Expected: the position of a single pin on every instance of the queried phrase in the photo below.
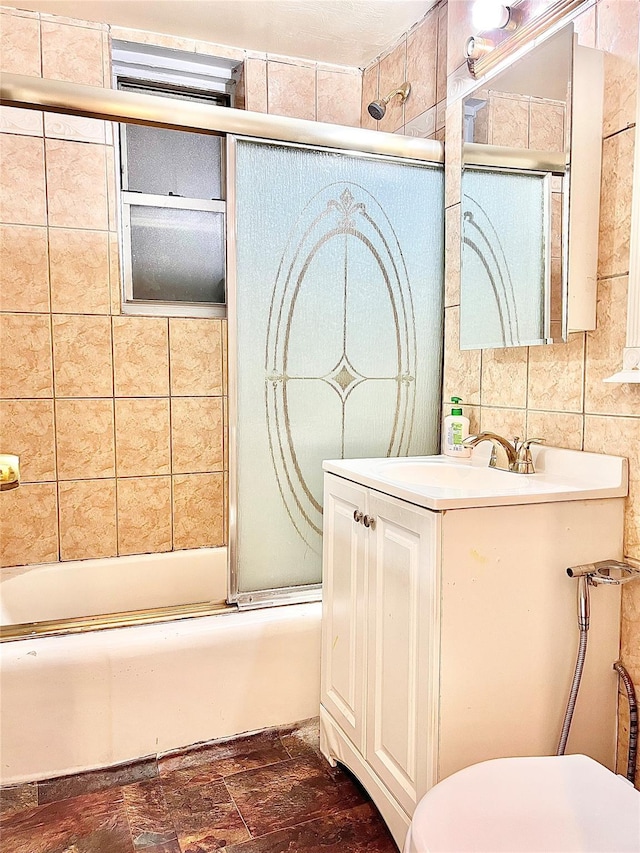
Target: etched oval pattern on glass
(342, 254)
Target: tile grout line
(315, 84)
(584, 377)
(166, 805)
(252, 769)
(630, 126)
(115, 430)
(108, 196)
(54, 405)
(167, 809)
(40, 57)
(302, 823)
(170, 402)
(613, 275)
(266, 83)
(241, 816)
(526, 399)
(128, 821)
(284, 746)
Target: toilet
(538, 805)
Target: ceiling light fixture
(493, 15)
(477, 47)
(488, 16)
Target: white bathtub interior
(79, 588)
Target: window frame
(158, 69)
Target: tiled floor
(269, 792)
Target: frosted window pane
(339, 336)
(177, 255)
(173, 162)
(503, 282)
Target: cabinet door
(343, 597)
(403, 630)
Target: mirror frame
(581, 208)
(559, 165)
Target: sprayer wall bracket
(605, 571)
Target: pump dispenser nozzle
(456, 410)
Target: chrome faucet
(507, 456)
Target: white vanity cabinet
(379, 605)
(449, 637)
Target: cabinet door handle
(369, 521)
(358, 516)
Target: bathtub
(79, 701)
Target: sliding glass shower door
(335, 339)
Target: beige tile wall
(119, 421)
(557, 391)
(419, 56)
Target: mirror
(517, 168)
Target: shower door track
(124, 619)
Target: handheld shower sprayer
(593, 574)
(378, 108)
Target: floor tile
(148, 815)
(14, 798)
(64, 787)
(357, 830)
(167, 847)
(204, 815)
(95, 823)
(229, 756)
(199, 774)
(270, 792)
(286, 794)
(303, 738)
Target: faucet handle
(524, 460)
(529, 441)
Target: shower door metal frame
(56, 96)
(303, 592)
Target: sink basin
(439, 474)
(440, 482)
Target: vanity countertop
(442, 482)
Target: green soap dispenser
(456, 429)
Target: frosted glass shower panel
(505, 273)
(338, 324)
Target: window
(172, 207)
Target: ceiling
(346, 32)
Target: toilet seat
(528, 805)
